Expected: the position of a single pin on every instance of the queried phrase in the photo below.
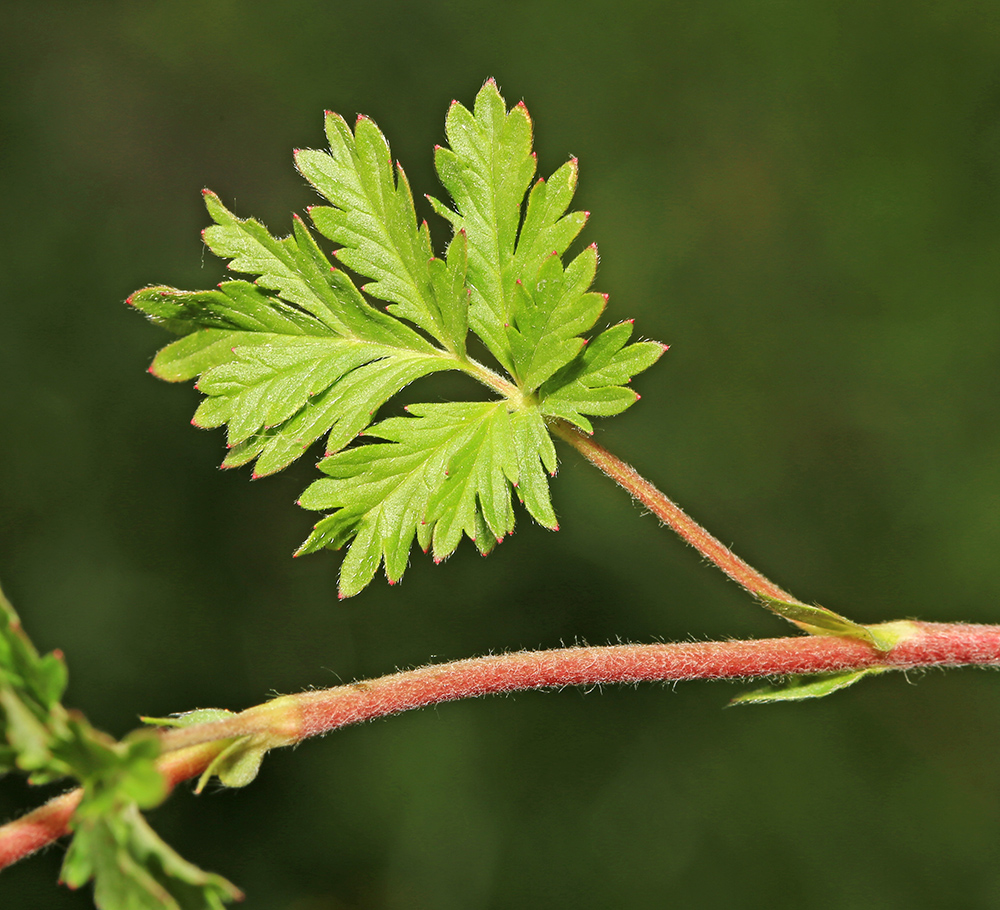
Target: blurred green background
(800, 197)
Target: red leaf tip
(664, 347)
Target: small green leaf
(800, 688)
(133, 869)
(239, 763)
(820, 621)
(32, 720)
(190, 718)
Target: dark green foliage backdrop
(801, 198)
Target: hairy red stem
(37, 829)
(31, 832)
(292, 718)
(664, 508)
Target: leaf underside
(302, 353)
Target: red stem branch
(664, 508)
(39, 828)
(292, 718)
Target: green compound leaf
(300, 353)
